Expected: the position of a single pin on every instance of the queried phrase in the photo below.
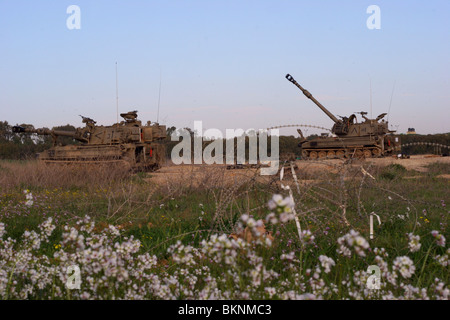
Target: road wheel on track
(340, 154)
(367, 153)
(305, 154)
(313, 155)
(331, 154)
(376, 152)
(322, 154)
(359, 153)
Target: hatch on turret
(147, 134)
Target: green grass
(159, 220)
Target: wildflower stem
(423, 266)
(301, 259)
(53, 286)
(9, 281)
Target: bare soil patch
(307, 171)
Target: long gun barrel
(309, 96)
(48, 132)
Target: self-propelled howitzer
(370, 138)
(130, 143)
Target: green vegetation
(171, 226)
(393, 171)
(443, 139)
(22, 146)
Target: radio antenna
(159, 95)
(117, 95)
(370, 79)
(390, 102)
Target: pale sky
(224, 62)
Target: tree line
(443, 139)
(20, 146)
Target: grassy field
(139, 237)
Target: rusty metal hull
(139, 157)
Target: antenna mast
(370, 97)
(117, 95)
(159, 96)
(390, 102)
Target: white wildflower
(352, 240)
(47, 228)
(307, 237)
(440, 239)
(326, 263)
(270, 291)
(405, 266)
(414, 244)
(276, 201)
(444, 259)
(29, 197)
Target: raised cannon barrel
(47, 132)
(310, 96)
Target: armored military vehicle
(128, 143)
(349, 139)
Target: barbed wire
(422, 144)
(298, 125)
